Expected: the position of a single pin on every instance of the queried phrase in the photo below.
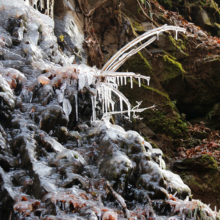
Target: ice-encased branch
(107, 80)
(134, 110)
(156, 31)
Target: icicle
(113, 106)
(51, 8)
(60, 96)
(67, 108)
(93, 99)
(121, 77)
(81, 80)
(158, 35)
(131, 82)
(63, 87)
(106, 107)
(176, 34)
(99, 92)
(148, 81)
(121, 105)
(76, 105)
(90, 77)
(118, 81)
(129, 111)
(48, 7)
(115, 80)
(41, 5)
(125, 80)
(139, 81)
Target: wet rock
(145, 131)
(16, 64)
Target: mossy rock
(205, 85)
(166, 118)
(204, 185)
(160, 122)
(171, 69)
(201, 163)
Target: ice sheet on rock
(6, 36)
(42, 169)
(49, 21)
(47, 185)
(10, 102)
(41, 65)
(82, 81)
(34, 51)
(7, 93)
(113, 132)
(60, 96)
(148, 146)
(175, 182)
(70, 155)
(16, 74)
(32, 32)
(75, 134)
(56, 146)
(7, 184)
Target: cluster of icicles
(46, 5)
(106, 81)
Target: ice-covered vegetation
(105, 88)
(105, 82)
(53, 167)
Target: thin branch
(137, 40)
(119, 63)
(146, 14)
(120, 200)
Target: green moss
(182, 44)
(169, 55)
(172, 68)
(160, 123)
(138, 27)
(210, 161)
(138, 64)
(154, 90)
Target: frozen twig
(139, 39)
(120, 200)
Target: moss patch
(138, 64)
(172, 69)
(159, 122)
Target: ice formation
(42, 5)
(112, 80)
